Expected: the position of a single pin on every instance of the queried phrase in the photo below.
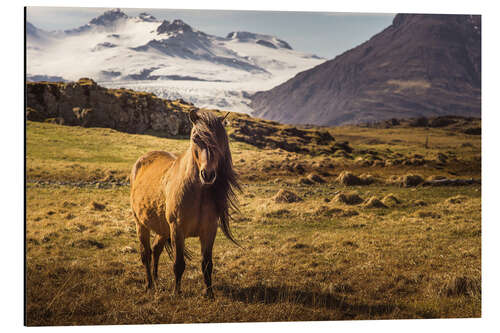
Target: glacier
(168, 58)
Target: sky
(325, 34)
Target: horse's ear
(224, 117)
(193, 116)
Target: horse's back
(153, 161)
(147, 183)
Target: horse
(185, 196)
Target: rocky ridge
(84, 103)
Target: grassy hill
(330, 256)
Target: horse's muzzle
(207, 178)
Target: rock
(367, 179)
(97, 206)
(419, 203)
(419, 122)
(378, 163)
(342, 146)
(391, 200)
(435, 177)
(349, 179)
(315, 178)
(128, 249)
(87, 243)
(362, 162)
(350, 213)
(442, 157)
(84, 103)
(305, 181)
(442, 122)
(473, 131)
(374, 202)
(348, 199)
(411, 180)
(285, 196)
(424, 214)
(456, 199)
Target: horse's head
(208, 144)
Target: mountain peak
(146, 17)
(31, 29)
(241, 35)
(109, 17)
(176, 26)
(421, 65)
(264, 40)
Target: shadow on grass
(268, 295)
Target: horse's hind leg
(177, 239)
(158, 245)
(143, 234)
(207, 243)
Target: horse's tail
(188, 254)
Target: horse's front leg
(158, 244)
(207, 238)
(177, 238)
(143, 234)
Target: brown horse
(185, 196)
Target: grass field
(317, 259)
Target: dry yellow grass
(317, 259)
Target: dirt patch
(278, 213)
(97, 206)
(87, 243)
(335, 212)
(424, 214)
(285, 196)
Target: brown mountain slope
(421, 65)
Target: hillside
(421, 65)
(87, 104)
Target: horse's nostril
(207, 176)
(211, 176)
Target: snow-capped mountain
(170, 58)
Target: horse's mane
(210, 131)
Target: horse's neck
(187, 169)
(183, 178)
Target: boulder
(285, 196)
